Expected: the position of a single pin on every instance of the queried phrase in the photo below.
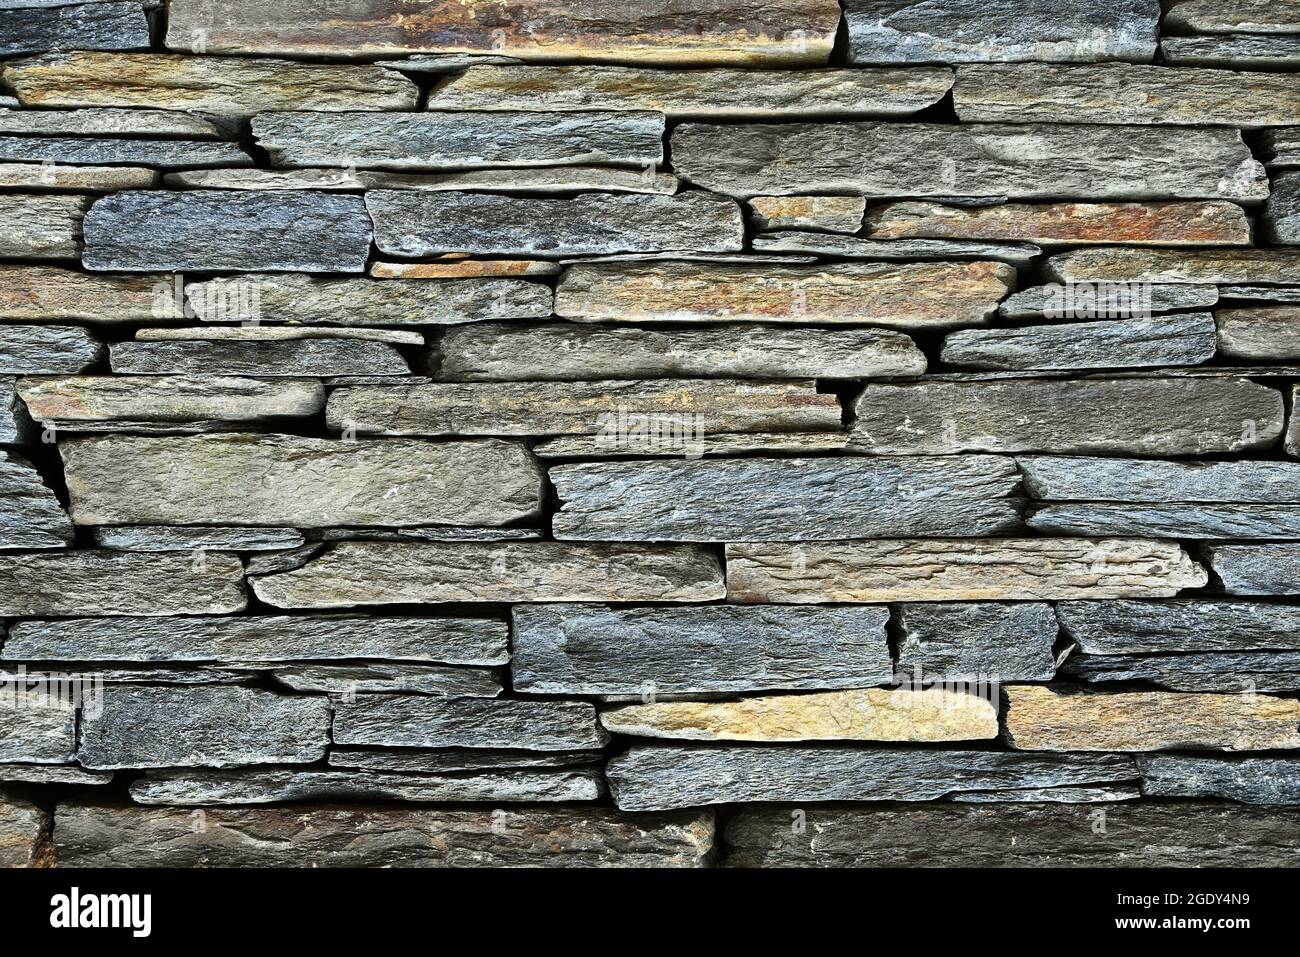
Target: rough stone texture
(1249, 780)
(30, 515)
(454, 140)
(15, 424)
(106, 151)
(458, 268)
(410, 721)
(1241, 51)
(119, 583)
(49, 294)
(417, 679)
(836, 214)
(1281, 148)
(86, 26)
(446, 760)
(1123, 93)
(23, 830)
(41, 227)
(657, 444)
(1218, 672)
(1099, 301)
(1069, 478)
(223, 85)
(911, 295)
(1280, 221)
(290, 480)
(899, 250)
(656, 778)
(874, 714)
(177, 538)
(259, 333)
(1223, 266)
(956, 570)
(1229, 16)
(1169, 520)
(316, 357)
(26, 349)
(986, 641)
(607, 407)
(557, 179)
(156, 727)
(1264, 569)
(81, 179)
(962, 31)
(1140, 627)
(578, 649)
(1040, 719)
(1162, 417)
(1017, 161)
(109, 121)
(413, 223)
(36, 727)
(103, 398)
(314, 835)
(695, 94)
(1062, 795)
(783, 500)
(50, 774)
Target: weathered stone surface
(1138, 834)
(222, 85)
(903, 31)
(909, 295)
(258, 333)
(836, 214)
(1142, 627)
(721, 32)
(50, 294)
(15, 424)
(436, 63)
(41, 227)
(1123, 93)
(1063, 795)
(1016, 161)
(384, 573)
(378, 836)
(654, 778)
(302, 357)
(172, 538)
(210, 726)
(653, 443)
(695, 94)
(1248, 780)
(1291, 440)
(84, 179)
(1223, 266)
(1160, 224)
(84, 26)
(422, 722)
(607, 407)
(24, 828)
(758, 500)
(1102, 301)
(956, 570)
(507, 352)
(1180, 340)
(270, 785)
(110, 122)
(261, 638)
(30, 515)
(430, 533)
(387, 678)
(1219, 672)
(412, 223)
(1263, 569)
(457, 141)
(1229, 16)
(577, 649)
(1040, 719)
(26, 349)
(36, 727)
(873, 714)
(1280, 220)
(976, 641)
(1066, 478)
(107, 151)
(1233, 51)
(119, 583)
(365, 302)
(219, 230)
(1161, 416)
(67, 399)
(445, 760)
(1181, 521)
(557, 179)
(898, 250)
(289, 480)
(51, 774)
(460, 268)
(1281, 148)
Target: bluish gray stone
(1218, 672)
(290, 357)
(106, 151)
(1248, 780)
(1267, 568)
(973, 641)
(1147, 627)
(1080, 478)
(1182, 521)
(31, 349)
(85, 26)
(30, 515)
(1281, 216)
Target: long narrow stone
(1071, 478)
(377, 835)
(24, 829)
(447, 760)
(1025, 161)
(1181, 521)
(188, 538)
(460, 140)
(1248, 780)
(1281, 216)
(962, 31)
(607, 407)
(654, 778)
(1040, 719)
(51, 294)
(1032, 569)
(107, 151)
(315, 357)
(452, 267)
(1263, 569)
(103, 398)
(1236, 51)
(836, 214)
(1222, 266)
(553, 179)
(412, 223)
(119, 583)
(36, 727)
(1123, 93)
(509, 352)
(391, 678)
(975, 641)
(757, 499)
(84, 26)
(29, 349)
(1217, 672)
(1105, 300)
(1142, 627)
(907, 295)
(303, 482)
(411, 721)
(385, 573)
(1087, 794)
(1162, 417)
(721, 32)
(1157, 224)
(579, 649)
(1229, 16)
(262, 638)
(80, 179)
(223, 85)
(41, 227)
(110, 122)
(659, 443)
(30, 515)
(51, 774)
(695, 94)
(208, 726)
(897, 250)
(259, 333)
(220, 230)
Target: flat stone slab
(1241, 51)
(1179, 521)
(51, 774)
(1105, 300)
(976, 641)
(119, 583)
(894, 250)
(1281, 148)
(15, 423)
(1149, 627)
(656, 444)
(30, 514)
(906, 295)
(1162, 417)
(1024, 569)
(445, 760)
(1219, 672)
(1271, 568)
(1078, 478)
(28, 349)
(454, 268)
(1273, 781)
(1222, 266)
(314, 357)
(386, 678)
(84, 26)
(414, 721)
(836, 214)
(557, 179)
(81, 179)
(221, 230)
(762, 499)
(52, 294)
(110, 151)
(596, 649)
(661, 777)
(454, 140)
(41, 227)
(1017, 161)
(1064, 795)
(259, 333)
(1229, 16)
(384, 573)
(36, 727)
(23, 830)
(1280, 221)
(109, 121)
(244, 479)
(168, 398)
(185, 538)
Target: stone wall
(642, 433)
